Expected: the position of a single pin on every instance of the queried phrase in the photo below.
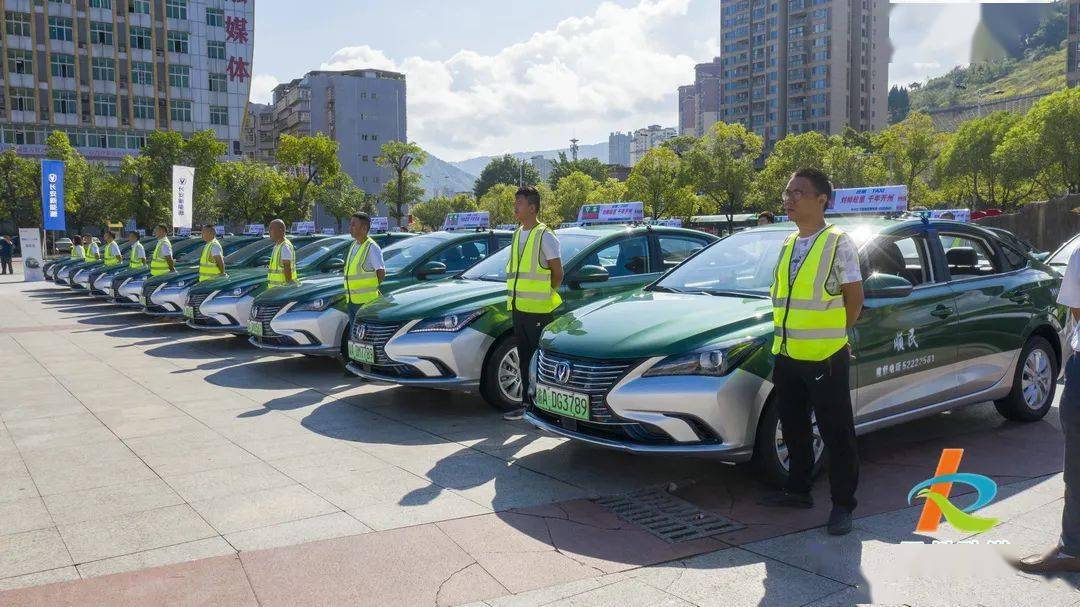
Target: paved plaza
(144, 463)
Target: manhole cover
(669, 518)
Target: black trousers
(527, 330)
(5, 266)
(821, 387)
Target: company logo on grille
(361, 330)
(562, 372)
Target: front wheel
(1034, 383)
(771, 453)
(500, 383)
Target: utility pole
(574, 148)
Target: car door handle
(941, 312)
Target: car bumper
(451, 361)
(103, 286)
(167, 302)
(129, 293)
(62, 276)
(316, 333)
(81, 280)
(223, 314)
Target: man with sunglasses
(817, 297)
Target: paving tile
(32, 552)
(323, 527)
(244, 511)
(113, 500)
(208, 457)
(137, 532)
(63, 574)
(21, 515)
(153, 427)
(318, 466)
(356, 490)
(426, 505)
(179, 553)
(220, 482)
(64, 430)
(628, 593)
(52, 476)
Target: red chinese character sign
(238, 69)
(236, 29)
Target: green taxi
(458, 334)
(954, 315)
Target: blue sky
(490, 76)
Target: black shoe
(514, 415)
(787, 499)
(839, 521)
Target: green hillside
(982, 82)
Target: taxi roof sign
(254, 229)
(877, 200)
(380, 224)
(671, 222)
(615, 212)
(507, 226)
(464, 221)
(962, 215)
(303, 227)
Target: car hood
(236, 278)
(308, 289)
(182, 272)
(430, 299)
(641, 324)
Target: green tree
(852, 166)
(506, 169)
(19, 187)
(610, 190)
(102, 201)
(499, 203)
(340, 198)
(1048, 139)
(253, 192)
(722, 167)
(561, 167)
(805, 150)
(58, 147)
(201, 152)
(432, 213)
(909, 149)
(654, 181)
(969, 167)
(403, 190)
(681, 144)
(307, 161)
(571, 192)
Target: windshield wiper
(733, 293)
(664, 289)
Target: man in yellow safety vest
(113, 257)
(211, 262)
(817, 297)
(533, 276)
(137, 255)
(364, 270)
(162, 260)
(77, 250)
(281, 260)
(93, 252)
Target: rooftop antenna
(574, 148)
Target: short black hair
(209, 226)
(530, 194)
(133, 233)
(162, 226)
(110, 233)
(819, 179)
(767, 215)
(364, 217)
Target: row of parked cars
(662, 342)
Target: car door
(995, 305)
(904, 347)
(629, 265)
(462, 254)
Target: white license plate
(562, 402)
(255, 328)
(189, 312)
(362, 353)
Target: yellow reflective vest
(361, 286)
(276, 276)
(158, 265)
(78, 252)
(137, 260)
(208, 268)
(528, 284)
(90, 254)
(112, 255)
(810, 323)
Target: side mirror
(886, 286)
(333, 265)
(1041, 256)
(431, 268)
(588, 274)
(263, 261)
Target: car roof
(602, 230)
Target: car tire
(1034, 383)
(767, 449)
(494, 391)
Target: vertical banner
(52, 194)
(30, 242)
(183, 190)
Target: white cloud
(929, 39)
(612, 70)
(262, 88)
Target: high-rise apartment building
(792, 66)
(699, 103)
(619, 148)
(543, 166)
(109, 72)
(359, 109)
(647, 138)
(1072, 68)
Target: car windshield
(190, 247)
(741, 264)
(400, 254)
(247, 251)
(494, 268)
(314, 252)
(1060, 258)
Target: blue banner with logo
(52, 194)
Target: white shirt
(165, 250)
(114, 249)
(549, 245)
(1069, 295)
(374, 259)
(138, 251)
(286, 252)
(845, 269)
(95, 249)
(215, 250)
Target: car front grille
(195, 300)
(264, 314)
(147, 289)
(588, 376)
(377, 334)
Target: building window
(22, 100)
(16, 24)
(101, 32)
(215, 50)
(143, 107)
(106, 4)
(139, 6)
(218, 83)
(219, 115)
(60, 28)
(140, 37)
(180, 111)
(61, 65)
(180, 76)
(104, 105)
(104, 69)
(142, 72)
(178, 42)
(215, 17)
(64, 102)
(176, 9)
(20, 61)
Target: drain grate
(669, 518)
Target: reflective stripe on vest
(361, 286)
(137, 261)
(276, 276)
(528, 284)
(111, 258)
(810, 323)
(78, 252)
(158, 265)
(208, 268)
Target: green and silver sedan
(953, 315)
(458, 334)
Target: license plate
(142, 300)
(562, 402)
(363, 353)
(255, 328)
(189, 312)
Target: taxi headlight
(449, 323)
(318, 305)
(713, 361)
